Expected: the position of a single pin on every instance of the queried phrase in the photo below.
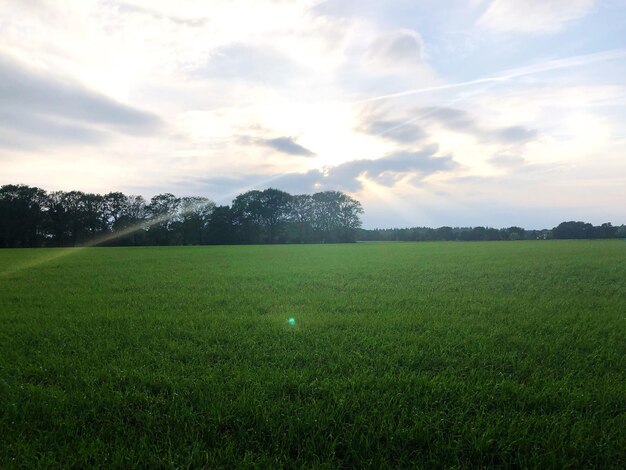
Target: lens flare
(62, 252)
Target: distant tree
(444, 233)
(573, 229)
(246, 216)
(565, 230)
(92, 217)
(221, 227)
(30, 217)
(512, 233)
(114, 205)
(275, 206)
(474, 234)
(195, 216)
(300, 216)
(59, 218)
(76, 217)
(336, 217)
(350, 211)
(605, 230)
(492, 234)
(72, 202)
(162, 211)
(261, 216)
(131, 222)
(22, 216)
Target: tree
(130, 225)
(335, 216)
(162, 210)
(261, 216)
(605, 230)
(275, 206)
(350, 211)
(221, 229)
(246, 216)
(113, 207)
(22, 216)
(59, 218)
(93, 217)
(573, 229)
(512, 233)
(195, 215)
(76, 217)
(300, 216)
(31, 217)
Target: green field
(403, 355)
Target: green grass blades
(401, 354)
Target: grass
(403, 355)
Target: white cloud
(295, 81)
(397, 49)
(533, 16)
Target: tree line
(33, 217)
(565, 230)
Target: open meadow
(402, 354)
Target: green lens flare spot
(292, 321)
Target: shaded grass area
(403, 354)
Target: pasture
(401, 354)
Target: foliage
(579, 230)
(30, 217)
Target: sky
(431, 113)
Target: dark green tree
(221, 227)
(22, 216)
(195, 216)
(163, 212)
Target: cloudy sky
(477, 112)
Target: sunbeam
(58, 253)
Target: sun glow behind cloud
(426, 109)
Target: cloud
(396, 130)
(287, 145)
(413, 126)
(452, 118)
(249, 63)
(302, 72)
(25, 130)
(402, 127)
(377, 121)
(282, 144)
(533, 16)
(515, 134)
(462, 121)
(386, 171)
(506, 161)
(50, 108)
(399, 48)
(156, 14)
